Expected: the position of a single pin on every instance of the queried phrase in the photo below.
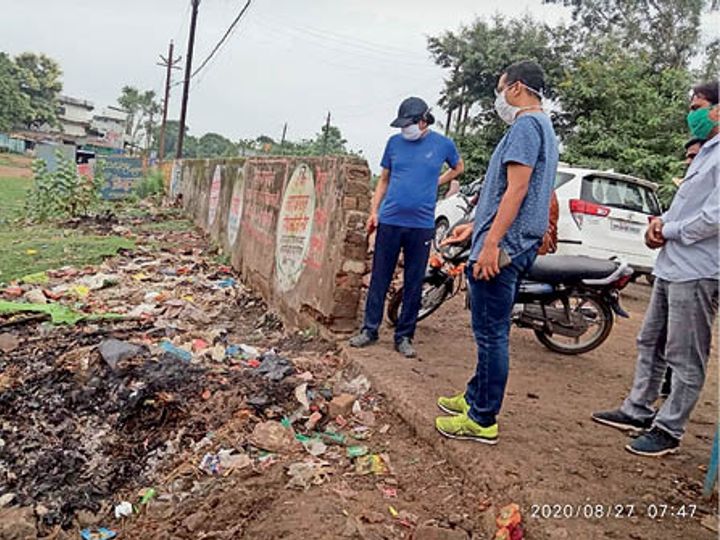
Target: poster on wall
(121, 175)
(236, 209)
(175, 177)
(214, 195)
(295, 225)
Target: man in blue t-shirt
(403, 212)
(511, 219)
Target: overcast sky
(288, 60)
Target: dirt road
(550, 452)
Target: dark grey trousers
(676, 332)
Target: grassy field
(28, 249)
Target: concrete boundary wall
(294, 227)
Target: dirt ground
(15, 166)
(550, 452)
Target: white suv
(605, 214)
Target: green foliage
(14, 103)
(152, 184)
(626, 115)
(39, 79)
(143, 111)
(62, 193)
(668, 31)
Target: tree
(626, 114)
(143, 111)
(668, 31)
(39, 79)
(14, 104)
(215, 145)
(475, 55)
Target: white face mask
(507, 112)
(411, 132)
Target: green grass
(28, 249)
(167, 226)
(12, 198)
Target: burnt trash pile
(111, 375)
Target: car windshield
(620, 193)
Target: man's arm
(704, 225)
(378, 196)
(452, 173)
(518, 181)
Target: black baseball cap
(411, 111)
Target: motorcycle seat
(569, 268)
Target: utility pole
(186, 82)
(169, 64)
(282, 139)
(327, 132)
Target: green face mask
(700, 123)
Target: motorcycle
(569, 302)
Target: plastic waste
(226, 283)
(301, 396)
(356, 451)
(101, 533)
(305, 474)
(114, 351)
(177, 352)
(372, 464)
(59, 314)
(98, 281)
(124, 509)
(275, 367)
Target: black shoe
(622, 421)
(654, 443)
(404, 347)
(363, 339)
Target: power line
(222, 39)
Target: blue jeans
(491, 304)
(415, 245)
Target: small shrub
(152, 184)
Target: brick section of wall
(294, 227)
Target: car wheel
(442, 226)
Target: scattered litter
(384, 429)
(97, 534)
(199, 345)
(124, 509)
(341, 405)
(367, 418)
(311, 423)
(393, 512)
(177, 352)
(59, 314)
(224, 462)
(114, 351)
(146, 495)
(305, 474)
(388, 492)
(35, 296)
(315, 447)
(272, 436)
(7, 499)
(357, 451)
(275, 367)
(226, 283)
(333, 437)
(372, 464)
(98, 281)
(359, 386)
(143, 310)
(301, 396)
(509, 523)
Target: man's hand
(653, 235)
(487, 266)
(459, 235)
(372, 223)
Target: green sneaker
(453, 405)
(462, 427)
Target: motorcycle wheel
(599, 316)
(433, 296)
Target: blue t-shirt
(530, 141)
(414, 171)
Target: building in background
(75, 116)
(109, 127)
